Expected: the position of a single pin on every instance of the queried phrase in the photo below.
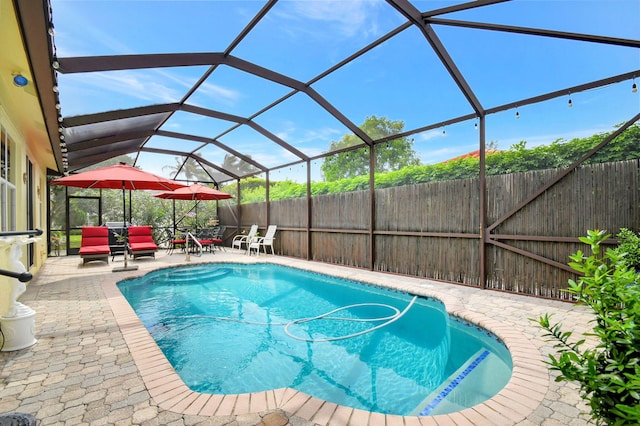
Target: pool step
(196, 276)
(461, 389)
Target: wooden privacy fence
(433, 230)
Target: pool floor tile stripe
(453, 384)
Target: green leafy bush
(609, 373)
(517, 159)
(629, 244)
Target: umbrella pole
(124, 224)
(126, 266)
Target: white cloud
(93, 36)
(270, 159)
(220, 94)
(346, 18)
(431, 134)
(310, 141)
(132, 84)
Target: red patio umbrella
(119, 176)
(196, 192)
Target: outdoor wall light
(20, 80)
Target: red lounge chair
(95, 244)
(141, 242)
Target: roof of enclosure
(242, 88)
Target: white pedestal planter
(19, 330)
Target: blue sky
(401, 79)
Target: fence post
(482, 206)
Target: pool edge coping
(521, 396)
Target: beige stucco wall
(19, 155)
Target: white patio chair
(239, 240)
(263, 242)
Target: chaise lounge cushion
(141, 241)
(95, 243)
(208, 242)
(143, 246)
(93, 250)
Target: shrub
(609, 373)
(629, 244)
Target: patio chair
(141, 242)
(218, 237)
(264, 242)
(207, 239)
(240, 240)
(95, 244)
(173, 242)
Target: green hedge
(517, 159)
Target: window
(7, 185)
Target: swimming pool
(230, 328)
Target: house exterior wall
(18, 176)
(21, 119)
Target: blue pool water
(233, 328)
